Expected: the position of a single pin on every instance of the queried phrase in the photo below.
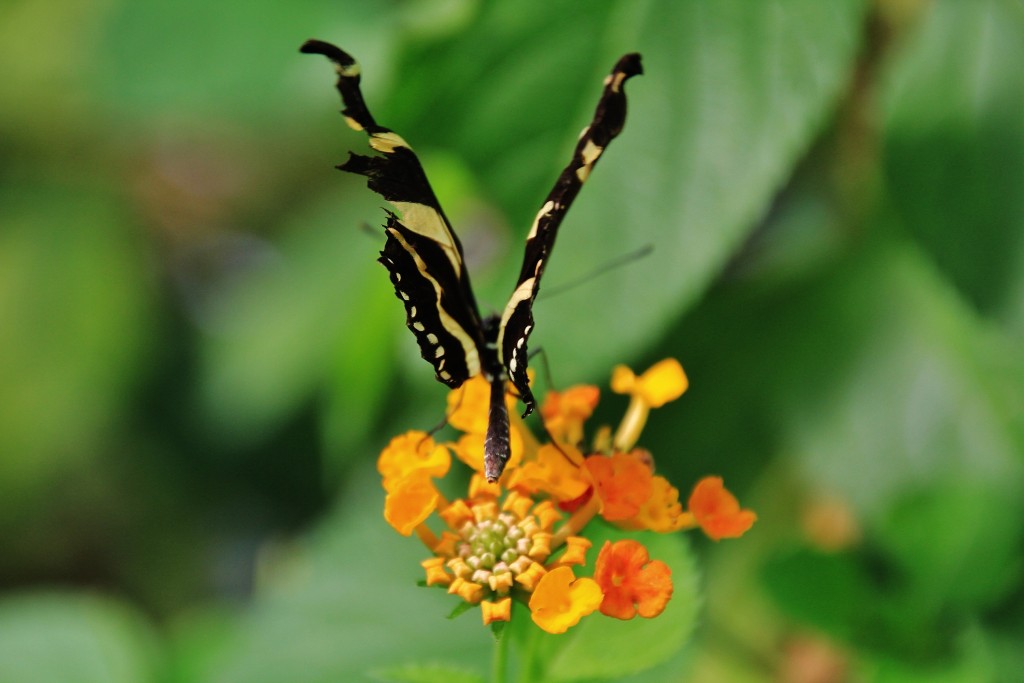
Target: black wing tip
(329, 50)
(630, 65)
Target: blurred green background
(200, 359)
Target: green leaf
(241, 67)
(913, 418)
(800, 579)
(316, 312)
(74, 638)
(340, 604)
(951, 388)
(73, 293)
(971, 565)
(954, 143)
(427, 673)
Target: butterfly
(424, 256)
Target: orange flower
(409, 502)
(553, 470)
(717, 511)
(662, 512)
(560, 600)
(632, 582)
(511, 540)
(565, 412)
(621, 482)
(411, 452)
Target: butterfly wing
(422, 253)
(517, 318)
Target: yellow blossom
(560, 600)
(500, 610)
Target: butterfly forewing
(517, 318)
(422, 253)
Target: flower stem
(579, 519)
(499, 665)
(632, 424)
(426, 536)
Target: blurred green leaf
(954, 543)
(75, 638)
(955, 145)
(952, 388)
(280, 329)
(73, 292)
(240, 64)
(339, 606)
(801, 579)
(426, 673)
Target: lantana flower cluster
(522, 538)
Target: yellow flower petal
(436, 575)
(467, 590)
(470, 450)
(412, 452)
(469, 405)
(409, 503)
(552, 471)
(496, 611)
(529, 578)
(576, 548)
(560, 600)
(623, 380)
(663, 382)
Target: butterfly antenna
(444, 421)
(606, 267)
(546, 372)
(542, 355)
(370, 230)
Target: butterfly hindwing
(517, 318)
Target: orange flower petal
(436, 575)
(413, 451)
(717, 511)
(410, 502)
(468, 405)
(662, 512)
(622, 483)
(576, 548)
(552, 471)
(560, 600)
(496, 611)
(632, 583)
(565, 412)
(531, 576)
(470, 450)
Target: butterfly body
(423, 255)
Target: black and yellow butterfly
(424, 255)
